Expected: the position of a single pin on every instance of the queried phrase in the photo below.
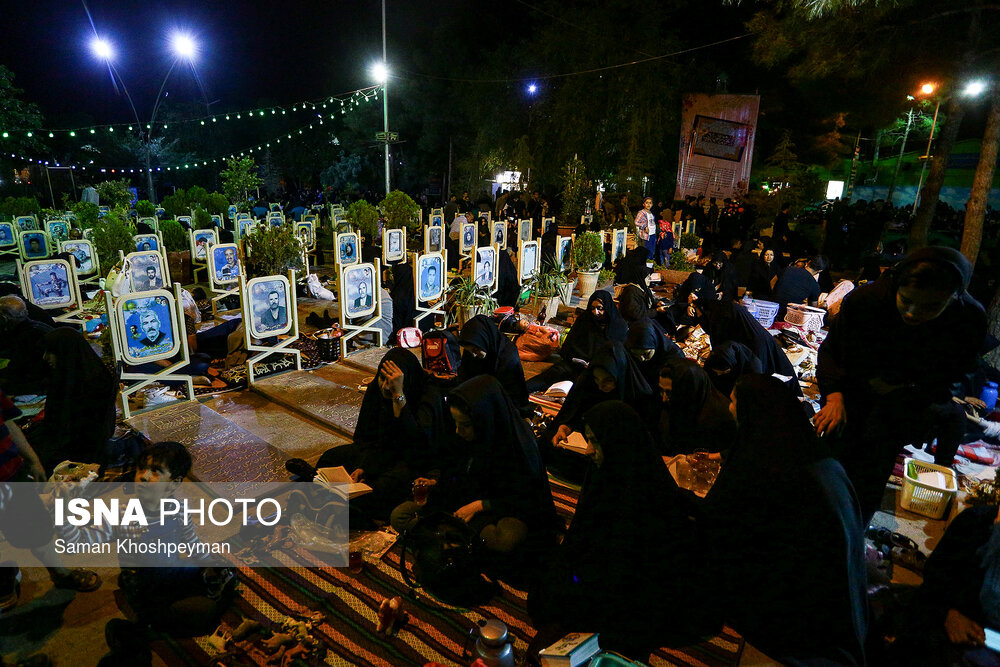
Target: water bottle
(493, 644)
(989, 395)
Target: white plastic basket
(762, 311)
(927, 499)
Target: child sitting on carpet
(180, 599)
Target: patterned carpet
(349, 604)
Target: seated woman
(502, 491)
(942, 621)
(80, 404)
(694, 414)
(632, 270)
(764, 275)
(633, 303)
(486, 351)
(723, 277)
(784, 536)
(649, 345)
(397, 440)
(629, 534)
(728, 362)
(726, 321)
(612, 375)
(600, 323)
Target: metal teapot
(493, 644)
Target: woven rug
(349, 603)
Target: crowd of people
(780, 536)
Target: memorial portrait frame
(428, 248)
(388, 255)
(524, 269)
(23, 240)
(73, 307)
(338, 248)
(368, 326)
(524, 231)
(282, 347)
(493, 251)
(502, 226)
(92, 276)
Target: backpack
(445, 562)
(440, 352)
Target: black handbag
(446, 561)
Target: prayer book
(560, 388)
(332, 478)
(575, 442)
(572, 650)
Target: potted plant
(680, 266)
(272, 251)
(548, 288)
(469, 300)
(588, 257)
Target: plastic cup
(420, 492)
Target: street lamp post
(385, 102)
(927, 89)
(184, 49)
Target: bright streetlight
(927, 88)
(183, 46)
(380, 72)
(102, 48)
(974, 88)
(532, 89)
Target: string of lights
(246, 114)
(365, 95)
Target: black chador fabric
(633, 303)
(588, 333)
(393, 451)
(504, 468)
(723, 278)
(629, 536)
(784, 534)
(697, 415)
(630, 386)
(761, 275)
(384, 440)
(869, 340)
(649, 335)
(80, 404)
(403, 301)
(508, 285)
(728, 363)
(632, 270)
(696, 283)
(501, 361)
(728, 321)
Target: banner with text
(716, 146)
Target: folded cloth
(979, 452)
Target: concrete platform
(331, 404)
(220, 449)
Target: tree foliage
(363, 216)
(239, 180)
(400, 210)
(272, 251)
(115, 194)
(113, 234)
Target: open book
(332, 478)
(575, 442)
(560, 388)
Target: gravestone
(368, 359)
(333, 405)
(220, 450)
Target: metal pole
(927, 158)
(385, 103)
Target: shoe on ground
(301, 469)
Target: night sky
(250, 52)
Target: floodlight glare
(380, 72)
(183, 46)
(927, 88)
(102, 48)
(974, 88)
(532, 89)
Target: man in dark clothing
(22, 345)
(451, 210)
(886, 368)
(799, 285)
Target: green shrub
(145, 208)
(364, 217)
(689, 240)
(202, 219)
(216, 203)
(174, 236)
(87, 214)
(238, 180)
(15, 206)
(113, 234)
(176, 204)
(400, 211)
(679, 261)
(114, 194)
(272, 251)
(588, 251)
